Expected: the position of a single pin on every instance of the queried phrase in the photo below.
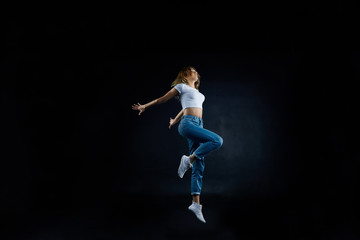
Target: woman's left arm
(176, 119)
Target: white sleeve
(179, 88)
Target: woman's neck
(191, 84)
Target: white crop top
(189, 97)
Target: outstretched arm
(170, 94)
(176, 119)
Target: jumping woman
(201, 141)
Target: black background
(281, 89)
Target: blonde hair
(181, 77)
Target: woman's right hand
(138, 107)
(172, 122)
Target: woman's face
(193, 75)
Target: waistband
(190, 117)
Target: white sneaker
(196, 208)
(184, 165)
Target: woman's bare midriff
(197, 112)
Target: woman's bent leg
(210, 141)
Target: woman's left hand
(172, 122)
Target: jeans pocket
(194, 122)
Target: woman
(201, 141)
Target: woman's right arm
(170, 94)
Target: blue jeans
(201, 142)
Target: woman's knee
(218, 141)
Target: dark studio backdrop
(78, 163)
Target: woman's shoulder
(179, 85)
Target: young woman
(201, 141)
